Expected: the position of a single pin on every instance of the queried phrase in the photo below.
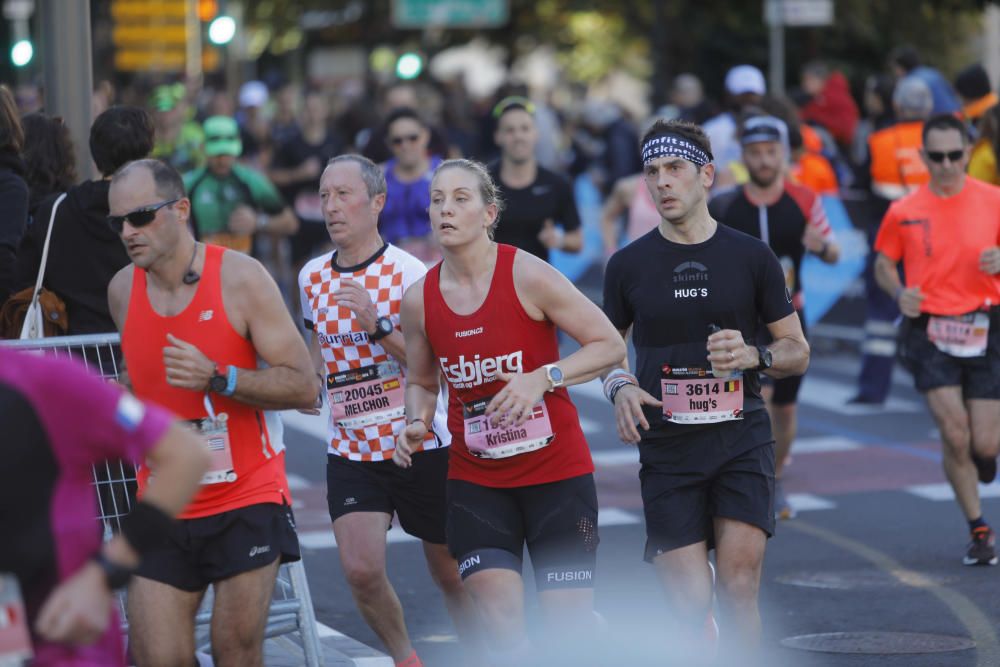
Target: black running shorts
(979, 377)
(786, 390)
(415, 494)
(488, 528)
(201, 551)
(726, 471)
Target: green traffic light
(409, 66)
(22, 52)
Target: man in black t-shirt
(539, 211)
(296, 168)
(692, 292)
(791, 220)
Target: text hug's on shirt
(670, 294)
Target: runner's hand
(728, 351)
(813, 240)
(187, 367)
(551, 236)
(515, 402)
(628, 412)
(352, 295)
(78, 610)
(407, 442)
(909, 301)
(243, 221)
(989, 261)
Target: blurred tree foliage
(666, 37)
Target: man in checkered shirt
(351, 300)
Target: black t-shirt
(304, 195)
(669, 293)
(781, 224)
(525, 211)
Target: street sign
(150, 35)
(450, 13)
(798, 13)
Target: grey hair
(168, 182)
(488, 190)
(371, 173)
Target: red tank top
(501, 335)
(260, 471)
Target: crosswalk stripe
(824, 443)
(806, 502)
(832, 396)
(943, 491)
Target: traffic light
(22, 52)
(409, 65)
(222, 30)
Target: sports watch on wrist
(115, 575)
(554, 375)
(383, 327)
(218, 382)
(765, 358)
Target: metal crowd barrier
(114, 482)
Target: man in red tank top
(195, 319)
(520, 471)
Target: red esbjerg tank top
(471, 349)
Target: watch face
(385, 325)
(218, 383)
(556, 374)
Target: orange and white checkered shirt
(346, 346)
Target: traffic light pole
(68, 71)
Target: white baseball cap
(745, 79)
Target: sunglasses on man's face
(939, 156)
(409, 138)
(137, 218)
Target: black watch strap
(763, 358)
(115, 575)
(383, 327)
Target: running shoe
(782, 508)
(981, 551)
(986, 467)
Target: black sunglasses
(137, 218)
(398, 141)
(939, 156)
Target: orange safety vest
(896, 166)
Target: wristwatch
(554, 375)
(383, 327)
(115, 575)
(217, 383)
(765, 358)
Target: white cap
(253, 94)
(745, 79)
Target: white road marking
(297, 482)
(806, 502)
(824, 443)
(942, 491)
(832, 396)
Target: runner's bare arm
(354, 296)
(628, 402)
(613, 209)
(78, 610)
(887, 277)
(256, 309)
(547, 294)
(422, 376)
(118, 295)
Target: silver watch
(554, 375)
